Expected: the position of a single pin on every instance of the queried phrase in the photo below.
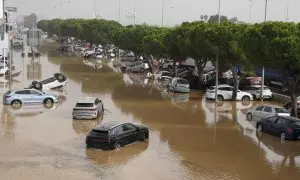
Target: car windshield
(84, 105)
(181, 81)
(280, 110)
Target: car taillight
(7, 96)
(290, 130)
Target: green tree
(276, 45)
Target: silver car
(138, 66)
(88, 108)
(28, 96)
(262, 112)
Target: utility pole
(266, 9)
(250, 16)
(162, 13)
(217, 57)
(134, 12)
(119, 55)
(263, 69)
(287, 11)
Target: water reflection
(85, 126)
(7, 125)
(34, 70)
(29, 110)
(117, 157)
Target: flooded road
(188, 140)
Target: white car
(57, 81)
(255, 90)
(3, 69)
(262, 112)
(225, 93)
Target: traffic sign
(11, 9)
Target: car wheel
(142, 70)
(48, 103)
(38, 85)
(142, 136)
(117, 145)
(16, 104)
(259, 128)
(245, 98)
(283, 136)
(220, 98)
(249, 116)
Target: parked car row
(108, 135)
(275, 120)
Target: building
(30, 21)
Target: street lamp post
(250, 16)
(162, 13)
(263, 69)
(217, 57)
(287, 11)
(134, 13)
(266, 9)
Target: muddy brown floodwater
(188, 140)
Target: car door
(267, 111)
(36, 96)
(131, 133)
(257, 114)
(24, 96)
(278, 126)
(119, 135)
(228, 93)
(268, 124)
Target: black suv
(114, 135)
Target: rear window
(1, 67)
(84, 105)
(211, 88)
(181, 81)
(100, 133)
(280, 110)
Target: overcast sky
(150, 11)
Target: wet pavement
(188, 140)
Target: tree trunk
(235, 84)
(294, 103)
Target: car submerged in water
(179, 85)
(114, 135)
(57, 81)
(17, 98)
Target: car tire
(245, 98)
(142, 136)
(220, 98)
(259, 128)
(249, 116)
(37, 85)
(16, 104)
(48, 103)
(282, 136)
(142, 70)
(117, 145)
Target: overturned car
(57, 81)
